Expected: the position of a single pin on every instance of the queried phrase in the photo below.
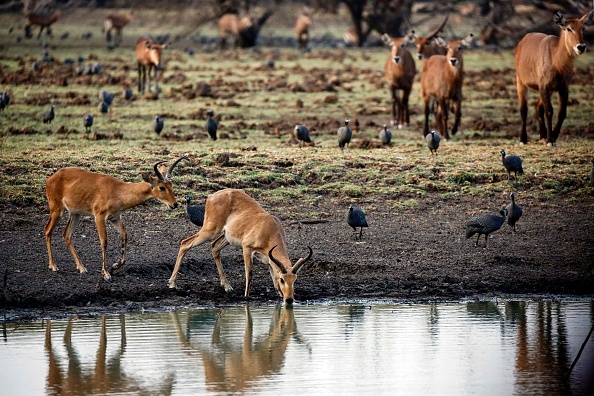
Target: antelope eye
(162, 188)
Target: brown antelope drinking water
(116, 22)
(399, 71)
(232, 25)
(302, 30)
(42, 19)
(544, 63)
(442, 81)
(106, 198)
(148, 56)
(234, 218)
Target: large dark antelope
(399, 71)
(442, 81)
(42, 19)
(234, 218)
(148, 56)
(116, 23)
(544, 63)
(106, 198)
(427, 45)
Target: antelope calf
(427, 46)
(399, 71)
(544, 63)
(234, 218)
(116, 22)
(148, 56)
(441, 81)
(302, 30)
(106, 198)
(232, 25)
(42, 19)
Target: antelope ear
(559, 19)
(147, 177)
(386, 39)
(588, 19)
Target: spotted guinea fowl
(211, 125)
(484, 225)
(48, 115)
(385, 135)
(106, 97)
(433, 140)
(195, 212)
(127, 94)
(512, 163)
(301, 133)
(158, 124)
(514, 212)
(344, 135)
(88, 122)
(356, 218)
(103, 107)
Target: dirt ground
(417, 254)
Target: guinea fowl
(512, 163)
(514, 212)
(433, 140)
(158, 124)
(195, 212)
(48, 115)
(356, 218)
(211, 125)
(103, 107)
(484, 225)
(106, 97)
(385, 135)
(301, 133)
(127, 94)
(88, 122)
(344, 135)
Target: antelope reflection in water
(107, 376)
(232, 368)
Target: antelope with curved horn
(426, 47)
(544, 64)
(399, 71)
(42, 19)
(106, 198)
(148, 56)
(234, 218)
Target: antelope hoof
(53, 268)
(82, 270)
(228, 288)
(106, 276)
(117, 265)
(172, 285)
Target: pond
(457, 348)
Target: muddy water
(498, 348)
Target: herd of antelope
(543, 63)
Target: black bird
(195, 212)
(514, 212)
(48, 115)
(127, 94)
(356, 218)
(344, 135)
(592, 174)
(4, 100)
(87, 35)
(433, 140)
(88, 122)
(103, 107)
(64, 36)
(158, 124)
(512, 163)
(36, 65)
(69, 61)
(301, 133)
(211, 125)
(106, 97)
(80, 59)
(385, 135)
(484, 225)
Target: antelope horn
(170, 170)
(159, 174)
(301, 261)
(432, 35)
(280, 265)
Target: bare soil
(416, 254)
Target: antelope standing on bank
(42, 19)
(232, 25)
(117, 23)
(106, 198)
(148, 56)
(399, 71)
(234, 218)
(544, 63)
(302, 30)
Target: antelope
(117, 23)
(441, 81)
(399, 71)
(42, 19)
(544, 64)
(106, 198)
(234, 218)
(427, 47)
(232, 25)
(302, 30)
(350, 37)
(148, 56)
